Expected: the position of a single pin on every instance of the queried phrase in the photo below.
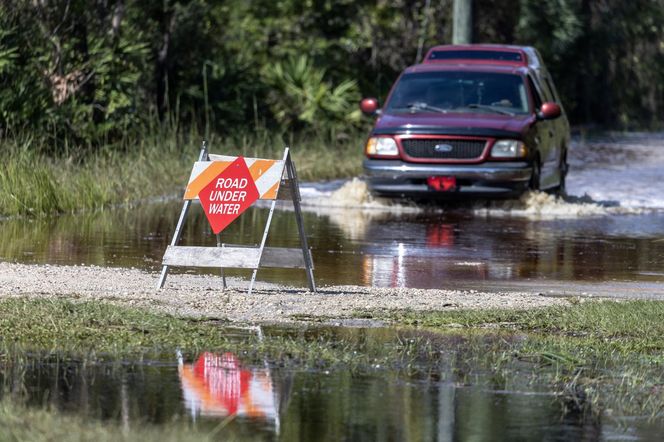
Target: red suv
(482, 120)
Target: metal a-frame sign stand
(244, 256)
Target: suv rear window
(459, 92)
(475, 55)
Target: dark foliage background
(91, 71)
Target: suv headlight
(508, 149)
(382, 146)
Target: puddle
(266, 400)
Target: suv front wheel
(534, 183)
(561, 189)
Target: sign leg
(295, 191)
(253, 279)
(223, 277)
(174, 241)
(262, 246)
(183, 214)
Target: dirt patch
(196, 295)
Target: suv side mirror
(549, 111)
(369, 106)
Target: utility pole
(462, 30)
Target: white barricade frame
(243, 256)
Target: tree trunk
(162, 68)
(462, 31)
(116, 20)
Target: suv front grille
(447, 149)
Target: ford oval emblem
(443, 148)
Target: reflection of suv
(474, 119)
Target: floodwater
(220, 392)
(607, 237)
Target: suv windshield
(459, 92)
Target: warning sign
(226, 186)
(228, 194)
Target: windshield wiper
(422, 106)
(490, 108)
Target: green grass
(35, 182)
(97, 328)
(43, 331)
(63, 326)
(624, 327)
(599, 355)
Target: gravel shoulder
(204, 296)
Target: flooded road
(608, 237)
(623, 170)
(422, 250)
(220, 393)
(605, 239)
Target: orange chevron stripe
(202, 180)
(271, 193)
(208, 401)
(260, 167)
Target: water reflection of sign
(218, 385)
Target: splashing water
(614, 174)
(539, 204)
(355, 194)
(357, 203)
(352, 207)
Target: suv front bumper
(398, 178)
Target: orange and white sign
(266, 175)
(226, 186)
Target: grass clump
(37, 182)
(96, 328)
(65, 326)
(33, 182)
(630, 326)
(598, 355)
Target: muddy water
(266, 401)
(379, 248)
(605, 237)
